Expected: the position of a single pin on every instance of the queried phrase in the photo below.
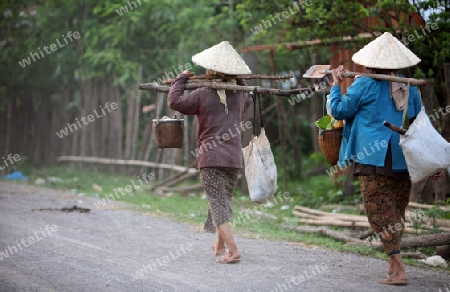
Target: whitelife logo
(71, 36)
(124, 9)
(211, 143)
(10, 250)
(280, 16)
(11, 158)
(161, 262)
(147, 177)
(90, 118)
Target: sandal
(216, 253)
(391, 281)
(225, 260)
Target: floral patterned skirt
(385, 201)
(219, 183)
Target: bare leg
(227, 235)
(391, 267)
(399, 268)
(219, 246)
(395, 263)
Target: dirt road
(124, 250)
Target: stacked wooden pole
(322, 219)
(195, 82)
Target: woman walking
(220, 115)
(383, 174)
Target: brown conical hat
(222, 58)
(385, 52)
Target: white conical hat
(385, 52)
(222, 58)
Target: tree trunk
(316, 112)
(105, 121)
(281, 135)
(75, 143)
(92, 126)
(41, 132)
(130, 102)
(150, 143)
(145, 139)
(416, 189)
(134, 136)
(349, 190)
(443, 251)
(55, 142)
(84, 151)
(64, 113)
(116, 128)
(446, 118)
(9, 127)
(422, 241)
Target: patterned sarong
(385, 201)
(219, 183)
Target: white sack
(260, 168)
(435, 261)
(426, 151)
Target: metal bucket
(168, 133)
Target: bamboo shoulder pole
(246, 77)
(218, 85)
(412, 81)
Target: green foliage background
(163, 34)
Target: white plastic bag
(260, 168)
(426, 151)
(435, 261)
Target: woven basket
(330, 144)
(168, 133)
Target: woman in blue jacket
(374, 148)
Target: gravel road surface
(118, 249)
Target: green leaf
(324, 123)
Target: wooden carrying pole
(246, 77)
(412, 81)
(217, 85)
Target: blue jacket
(364, 107)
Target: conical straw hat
(385, 52)
(222, 58)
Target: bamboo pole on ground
(175, 181)
(180, 189)
(324, 231)
(417, 241)
(333, 222)
(170, 181)
(337, 219)
(99, 160)
(424, 206)
(336, 215)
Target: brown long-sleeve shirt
(218, 133)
